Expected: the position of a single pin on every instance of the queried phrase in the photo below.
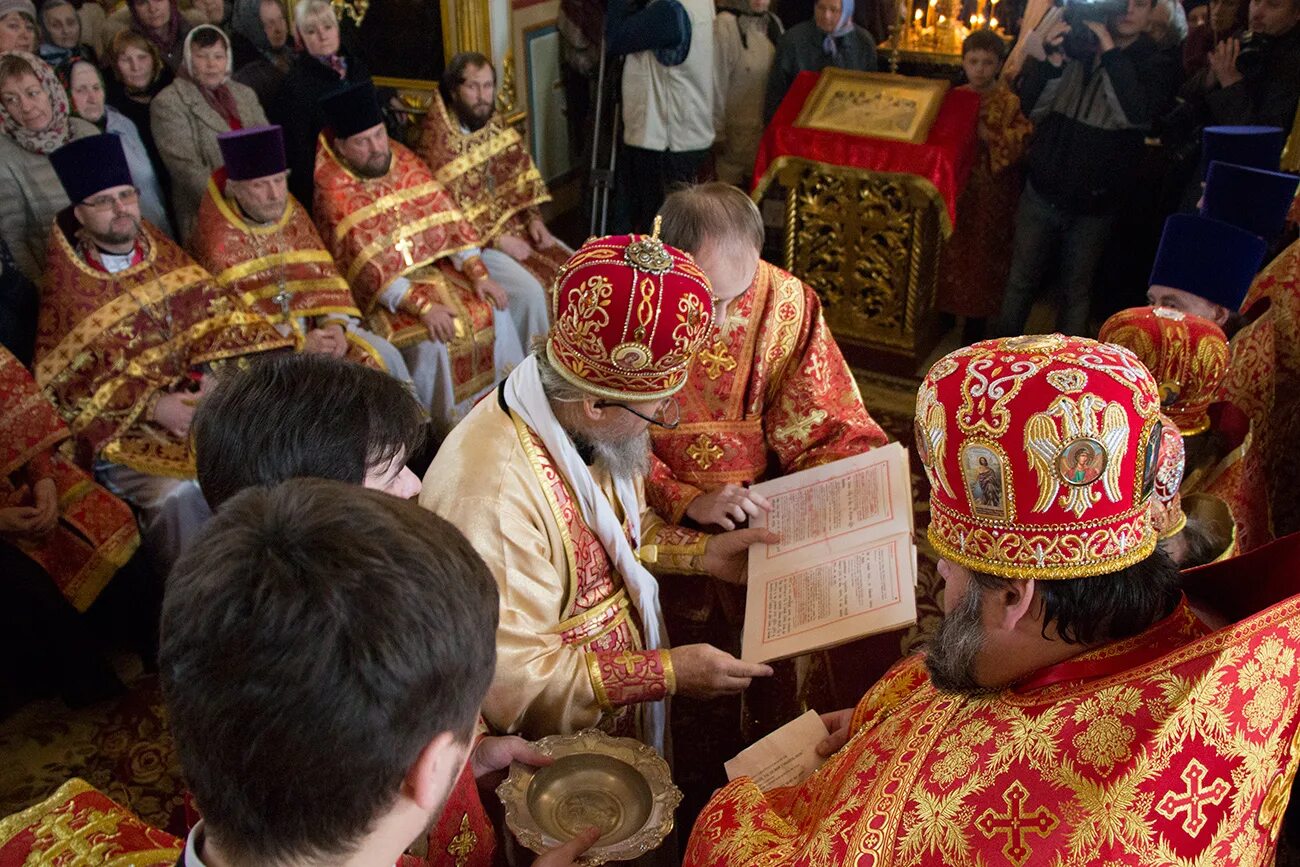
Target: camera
(1254, 48)
(1081, 43)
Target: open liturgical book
(845, 567)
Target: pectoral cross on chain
(283, 298)
(404, 247)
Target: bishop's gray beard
(625, 459)
(950, 655)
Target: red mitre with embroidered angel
(628, 315)
(1041, 454)
(1187, 355)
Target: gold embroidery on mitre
(1067, 442)
(931, 431)
(945, 366)
(630, 356)
(704, 451)
(990, 384)
(1067, 381)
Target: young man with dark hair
(298, 416)
(324, 653)
(307, 415)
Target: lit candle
(973, 18)
(993, 23)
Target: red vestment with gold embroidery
(96, 533)
(463, 836)
(493, 179)
(1263, 379)
(107, 344)
(1176, 746)
(282, 269)
(772, 395)
(78, 825)
(404, 224)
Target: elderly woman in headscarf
(745, 34)
(830, 38)
(265, 25)
(36, 122)
(85, 85)
(17, 26)
(61, 41)
(324, 62)
(192, 111)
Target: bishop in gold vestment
(559, 513)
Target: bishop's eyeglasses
(667, 416)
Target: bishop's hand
(704, 671)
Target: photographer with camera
(1092, 82)
(1254, 80)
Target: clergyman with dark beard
(544, 477)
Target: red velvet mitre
(1041, 455)
(1187, 355)
(629, 314)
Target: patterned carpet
(121, 747)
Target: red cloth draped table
(865, 220)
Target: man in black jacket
(1091, 115)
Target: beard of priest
(367, 153)
(111, 220)
(474, 98)
(997, 630)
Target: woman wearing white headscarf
(829, 38)
(189, 114)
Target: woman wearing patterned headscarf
(830, 38)
(35, 120)
(200, 104)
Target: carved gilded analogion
(869, 243)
